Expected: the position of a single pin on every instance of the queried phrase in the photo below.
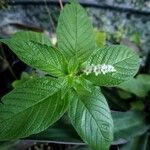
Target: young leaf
(90, 115)
(24, 77)
(32, 36)
(82, 85)
(75, 33)
(123, 59)
(31, 108)
(67, 85)
(43, 57)
(72, 66)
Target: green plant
(138, 130)
(74, 70)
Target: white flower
(88, 70)
(104, 69)
(99, 69)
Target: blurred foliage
(100, 38)
(138, 4)
(138, 143)
(140, 86)
(132, 97)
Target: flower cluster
(99, 69)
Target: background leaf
(123, 59)
(75, 33)
(90, 115)
(100, 38)
(43, 57)
(31, 108)
(140, 86)
(58, 132)
(11, 145)
(135, 87)
(138, 143)
(145, 79)
(129, 124)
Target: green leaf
(137, 105)
(138, 86)
(138, 143)
(82, 85)
(134, 86)
(43, 57)
(124, 94)
(67, 85)
(145, 79)
(100, 38)
(90, 115)
(123, 59)
(75, 33)
(73, 66)
(10, 145)
(129, 124)
(31, 108)
(136, 38)
(32, 36)
(24, 77)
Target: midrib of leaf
(45, 114)
(52, 66)
(113, 63)
(76, 31)
(31, 109)
(124, 59)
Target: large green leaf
(43, 57)
(129, 124)
(32, 36)
(123, 59)
(90, 115)
(31, 108)
(75, 33)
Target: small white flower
(99, 69)
(92, 66)
(87, 70)
(104, 69)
